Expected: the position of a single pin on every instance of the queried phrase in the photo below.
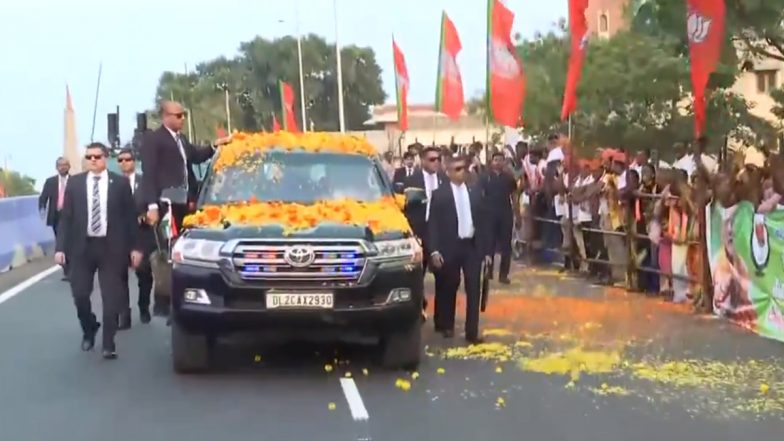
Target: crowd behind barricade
(618, 218)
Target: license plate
(316, 300)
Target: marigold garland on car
(381, 216)
(246, 145)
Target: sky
(48, 44)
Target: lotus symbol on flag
(502, 62)
(402, 82)
(449, 68)
(698, 27)
(584, 41)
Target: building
(759, 77)
(606, 18)
(425, 126)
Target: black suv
(333, 281)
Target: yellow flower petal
(331, 406)
(441, 371)
(328, 367)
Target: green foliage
(16, 184)
(252, 81)
(634, 93)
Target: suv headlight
(407, 250)
(197, 251)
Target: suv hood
(323, 231)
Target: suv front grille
(297, 262)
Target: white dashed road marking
(355, 404)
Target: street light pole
(301, 73)
(339, 70)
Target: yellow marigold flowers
(257, 359)
(380, 216)
(365, 372)
(348, 375)
(244, 145)
(441, 371)
(402, 384)
(331, 406)
(328, 368)
(414, 375)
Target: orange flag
(505, 78)
(705, 29)
(401, 87)
(449, 89)
(578, 29)
(275, 123)
(287, 105)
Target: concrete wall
(23, 235)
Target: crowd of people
(614, 217)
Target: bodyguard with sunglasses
(429, 176)
(98, 234)
(127, 165)
(167, 159)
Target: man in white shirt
(458, 241)
(98, 233)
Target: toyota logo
(299, 256)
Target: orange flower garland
(245, 145)
(382, 216)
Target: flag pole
(569, 127)
(301, 73)
(95, 104)
(190, 121)
(339, 71)
(228, 108)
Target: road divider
(23, 234)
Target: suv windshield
(297, 177)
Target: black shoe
(88, 340)
(124, 321)
(505, 281)
(109, 354)
(474, 340)
(159, 310)
(144, 316)
(448, 333)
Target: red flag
(401, 87)
(705, 29)
(275, 123)
(449, 89)
(578, 28)
(287, 106)
(505, 77)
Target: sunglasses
(180, 115)
(433, 159)
(93, 157)
(458, 169)
(125, 160)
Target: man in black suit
(127, 164)
(167, 161)
(458, 242)
(98, 233)
(500, 189)
(429, 177)
(50, 202)
(404, 172)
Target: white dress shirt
(431, 185)
(465, 221)
(103, 193)
(409, 171)
(132, 180)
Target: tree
(634, 93)
(15, 184)
(251, 79)
(754, 26)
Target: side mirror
(175, 195)
(415, 196)
(399, 187)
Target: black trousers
(502, 224)
(467, 260)
(144, 284)
(98, 257)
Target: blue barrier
(24, 236)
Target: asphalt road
(565, 361)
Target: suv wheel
(190, 352)
(403, 349)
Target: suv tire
(403, 349)
(190, 352)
